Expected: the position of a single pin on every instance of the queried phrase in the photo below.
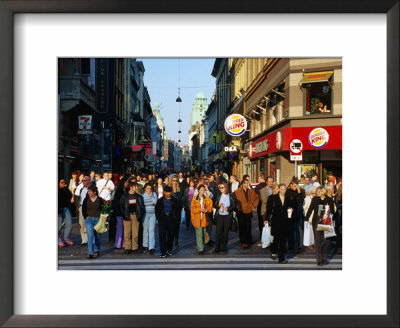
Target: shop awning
(316, 77)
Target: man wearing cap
(166, 217)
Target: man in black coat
(132, 209)
(296, 227)
(166, 217)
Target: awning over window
(316, 77)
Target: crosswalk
(216, 262)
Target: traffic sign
(296, 147)
(296, 157)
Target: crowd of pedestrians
(139, 202)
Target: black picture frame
(10, 7)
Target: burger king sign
(235, 125)
(318, 137)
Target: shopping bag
(330, 233)
(265, 236)
(100, 226)
(325, 222)
(324, 227)
(308, 238)
(183, 216)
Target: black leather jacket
(231, 201)
(124, 205)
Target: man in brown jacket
(246, 201)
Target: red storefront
(321, 147)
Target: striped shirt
(150, 202)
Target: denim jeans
(149, 224)
(65, 215)
(92, 235)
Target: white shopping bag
(183, 216)
(331, 233)
(266, 237)
(308, 238)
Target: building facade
(281, 104)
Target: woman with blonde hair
(201, 205)
(319, 205)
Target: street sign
(235, 125)
(85, 122)
(296, 157)
(296, 147)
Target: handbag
(234, 225)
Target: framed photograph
(34, 34)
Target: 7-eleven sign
(85, 122)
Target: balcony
(73, 91)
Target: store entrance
(331, 168)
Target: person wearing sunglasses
(224, 203)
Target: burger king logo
(235, 125)
(318, 137)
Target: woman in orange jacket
(201, 204)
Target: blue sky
(162, 80)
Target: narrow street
(185, 257)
